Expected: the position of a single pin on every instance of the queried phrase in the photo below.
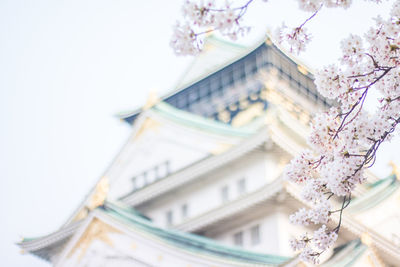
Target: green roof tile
(187, 241)
(199, 122)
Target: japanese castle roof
(187, 241)
(134, 221)
(218, 58)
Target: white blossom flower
(299, 244)
(296, 38)
(309, 255)
(323, 238)
(300, 217)
(184, 41)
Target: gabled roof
(215, 55)
(216, 137)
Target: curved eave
(190, 242)
(130, 116)
(378, 192)
(47, 245)
(198, 122)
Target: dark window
(170, 217)
(242, 73)
(184, 210)
(238, 239)
(182, 101)
(225, 193)
(241, 186)
(168, 167)
(215, 85)
(230, 77)
(134, 183)
(145, 181)
(156, 173)
(193, 96)
(255, 235)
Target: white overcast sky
(67, 67)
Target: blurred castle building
(199, 181)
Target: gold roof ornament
(100, 194)
(220, 148)
(248, 114)
(224, 116)
(97, 230)
(209, 31)
(302, 69)
(81, 214)
(395, 169)
(148, 124)
(207, 46)
(152, 99)
(366, 239)
(268, 40)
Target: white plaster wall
(179, 145)
(275, 232)
(269, 235)
(258, 168)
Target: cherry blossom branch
(345, 139)
(344, 205)
(236, 8)
(297, 38)
(206, 15)
(311, 17)
(226, 20)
